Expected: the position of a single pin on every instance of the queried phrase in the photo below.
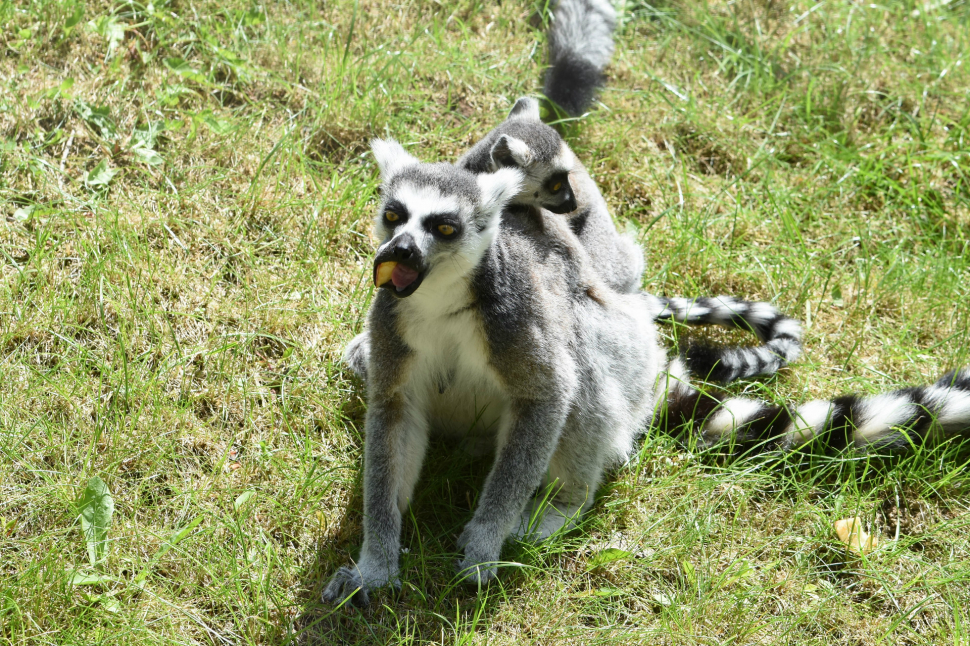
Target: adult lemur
(501, 325)
(555, 180)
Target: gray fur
(617, 258)
(519, 339)
(540, 152)
(580, 48)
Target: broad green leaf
(110, 29)
(243, 498)
(218, 126)
(23, 213)
(146, 136)
(75, 18)
(101, 175)
(183, 69)
(608, 555)
(147, 156)
(96, 507)
(110, 604)
(98, 118)
(89, 578)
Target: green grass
(187, 197)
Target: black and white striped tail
(895, 420)
(780, 336)
(580, 48)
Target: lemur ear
(509, 151)
(499, 188)
(391, 157)
(525, 108)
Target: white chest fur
(451, 377)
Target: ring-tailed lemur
(900, 419)
(557, 181)
(495, 322)
(580, 48)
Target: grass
(187, 196)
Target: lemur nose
(403, 252)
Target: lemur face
(526, 143)
(435, 220)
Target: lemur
(494, 321)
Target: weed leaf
(86, 578)
(75, 18)
(101, 175)
(147, 156)
(608, 555)
(99, 118)
(96, 507)
(243, 498)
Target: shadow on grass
(431, 603)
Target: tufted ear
(509, 151)
(391, 157)
(499, 188)
(525, 108)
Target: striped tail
(895, 420)
(780, 336)
(580, 48)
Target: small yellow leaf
(322, 519)
(850, 532)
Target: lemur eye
(391, 216)
(446, 229)
(556, 187)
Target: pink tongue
(403, 276)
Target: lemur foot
(481, 555)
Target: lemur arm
(389, 460)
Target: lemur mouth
(400, 278)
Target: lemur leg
(574, 475)
(397, 440)
(533, 431)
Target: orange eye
(391, 216)
(446, 229)
(556, 187)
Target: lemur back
(557, 181)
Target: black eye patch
(444, 226)
(557, 183)
(395, 213)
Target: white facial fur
(477, 216)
